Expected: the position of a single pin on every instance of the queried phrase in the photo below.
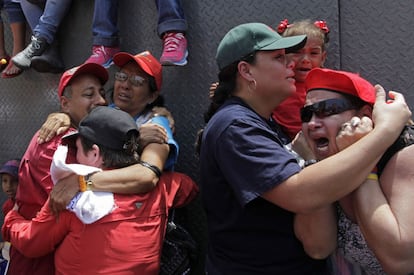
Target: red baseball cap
(342, 82)
(87, 68)
(145, 60)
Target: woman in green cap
(251, 186)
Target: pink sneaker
(175, 49)
(102, 55)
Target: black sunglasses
(326, 108)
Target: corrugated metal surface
(371, 37)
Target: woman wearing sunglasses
(375, 221)
(251, 186)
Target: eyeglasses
(135, 80)
(326, 108)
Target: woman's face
(321, 131)
(274, 75)
(309, 57)
(132, 96)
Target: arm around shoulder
(135, 178)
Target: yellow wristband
(372, 176)
(88, 180)
(82, 184)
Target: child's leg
(18, 29)
(3, 52)
(19, 36)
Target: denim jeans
(170, 16)
(14, 11)
(45, 23)
(104, 26)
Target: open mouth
(123, 96)
(322, 142)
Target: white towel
(88, 206)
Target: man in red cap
(124, 239)
(138, 178)
(136, 91)
(80, 90)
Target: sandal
(4, 61)
(11, 71)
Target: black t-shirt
(241, 158)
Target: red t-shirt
(287, 114)
(33, 190)
(126, 241)
(7, 206)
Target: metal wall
(370, 37)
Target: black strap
(405, 139)
(153, 168)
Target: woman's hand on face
(352, 131)
(391, 114)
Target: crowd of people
(45, 16)
(282, 181)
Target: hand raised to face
(353, 130)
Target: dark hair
(152, 84)
(227, 83)
(355, 101)
(116, 158)
(67, 92)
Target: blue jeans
(104, 26)
(45, 23)
(14, 11)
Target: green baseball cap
(250, 37)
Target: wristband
(82, 183)
(88, 180)
(153, 168)
(372, 176)
(310, 162)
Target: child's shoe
(102, 55)
(175, 49)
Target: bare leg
(3, 52)
(19, 36)
(18, 30)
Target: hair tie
(321, 24)
(283, 25)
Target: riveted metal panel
(371, 37)
(377, 41)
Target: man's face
(87, 93)
(83, 157)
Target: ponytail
(226, 87)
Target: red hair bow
(322, 25)
(283, 25)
